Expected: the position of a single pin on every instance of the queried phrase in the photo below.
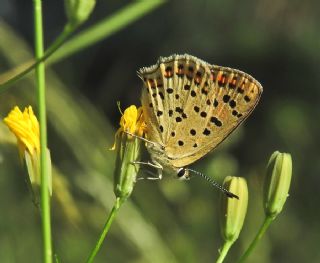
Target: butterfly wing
(161, 95)
(207, 103)
(232, 95)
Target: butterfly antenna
(143, 139)
(139, 137)
(214, 183)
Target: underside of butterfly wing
(191, 106)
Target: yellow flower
(128, 151)
(132, 121)
(25, 127)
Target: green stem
(105, 229)
(96, 33)
(224, 251)
(40, 83)
(68, 30)
(267, 221)
(105, 28)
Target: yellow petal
(131, 121)
(25, 126)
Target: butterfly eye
(183, 174)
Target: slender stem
(224, 251)
(267, 221)
(53, 47)
(105, 229)
(40, 82)
(106, 27)
(95, 33)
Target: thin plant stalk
(105, 28)
(95, 33)
(267, 221)
(68, 30)
(224, 251)
(105, 229)
(40, 83)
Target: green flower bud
(128, 151)
(125, 174)
(233, 211)
(277, 182)
(78, 11)
(33, 167)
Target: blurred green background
(278, 42)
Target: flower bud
(78, 11)
(128, 151)
(277, 182)
(233, 211)
(126, 171)
(25, 126)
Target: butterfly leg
(152, 176)
(153, 165)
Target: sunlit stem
(53, 47)
(106, 27)
(267, 221)
(95, 33)
(105, 229)
(224, 250)
(40, 83)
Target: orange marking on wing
(180, 71)
(198, 78)
(151, 83)
(168, 72)
(233, 81)
(213, 76)
(243, 85)
(224, 79)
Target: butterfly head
(183, 174)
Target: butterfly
(190, 107)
